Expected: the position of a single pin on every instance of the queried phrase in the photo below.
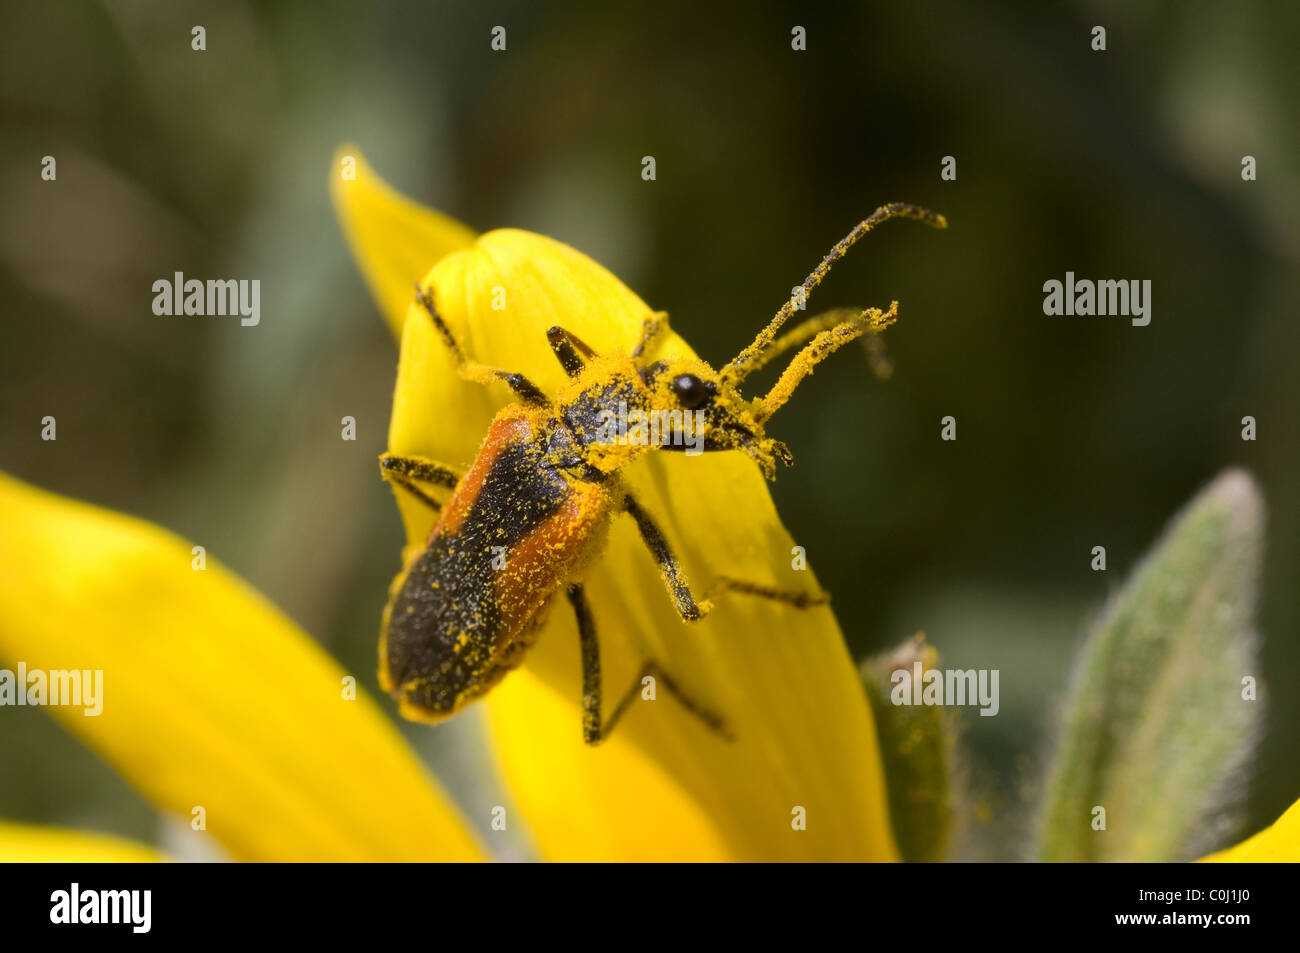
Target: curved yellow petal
(394, 240)
(211, 697)
(1279, 843)
(663, 786)
(28, 844)
(589, 804)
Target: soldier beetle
(531, 511)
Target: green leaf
(917, 750)
(1162, 712)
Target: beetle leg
(687, 607)
(799, 600)
(657, 543)
(569, 350)
(593, 732)
(404, 471)
(651, 328)
(524, 389)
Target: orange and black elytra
(532, 509)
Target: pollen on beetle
(544, 484)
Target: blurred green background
(1072, 432)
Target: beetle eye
(690, 390)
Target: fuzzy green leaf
(916, 748)
(1162, 714)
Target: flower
(215, 700)
(1280, 842)
(662, 787)
(216, 706)
(38, 845)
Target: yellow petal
(394, 240)
(579, 812)
(24, 844)
(663, 786)
(211, 698)
(1279, 843)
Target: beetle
(533, 508)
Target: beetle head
(710, 411)
(683, 403)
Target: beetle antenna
(826, 343)
(744, 362)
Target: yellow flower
(214, 705)
(41, 845)
(1278, 843)
(217, 707)
(393, 239)
(663, 786)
